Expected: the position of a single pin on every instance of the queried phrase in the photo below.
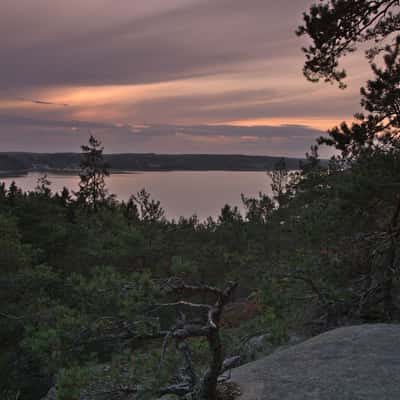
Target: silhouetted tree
(280, 178)
(145, 208)
(65, 196)
(380, 128)
(229, 215)
(43, 186)
(14, 192)
(3, 191)
(365, 174)
(92, 187)
(337, 26)
(258, 210)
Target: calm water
(181, 193)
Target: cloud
(23, 134)
(42, 102)
(27, 122)
(190, 39)
(184, 68)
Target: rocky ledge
(350, 363)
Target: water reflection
(181, 193)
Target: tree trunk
(209, 383)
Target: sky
(163, 76)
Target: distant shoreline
(18, 174)
(17, 164)
(13, 174)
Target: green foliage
(14, 254)
(148, 209)
(182, 267)
(258, 210)
(279, 181)
(43, 186)
(70, 382)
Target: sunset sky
(164, 76)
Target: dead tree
(205, 324)
(199, 387)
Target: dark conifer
(92, 187)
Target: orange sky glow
(194, 65)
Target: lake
(181, 193)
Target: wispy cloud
(42, 102)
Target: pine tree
(336, 27)
(379, 129)
(92, 187)
(43, 186)
(279, 180)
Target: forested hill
(144, 162)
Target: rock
(351, 363)
(51, 394)
(292, 340)
(295, 338)
(259, 346)
(256, 347)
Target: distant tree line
(143, 162)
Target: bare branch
(166, 341)
(179, 389)
(191, 331)
(184, 303)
